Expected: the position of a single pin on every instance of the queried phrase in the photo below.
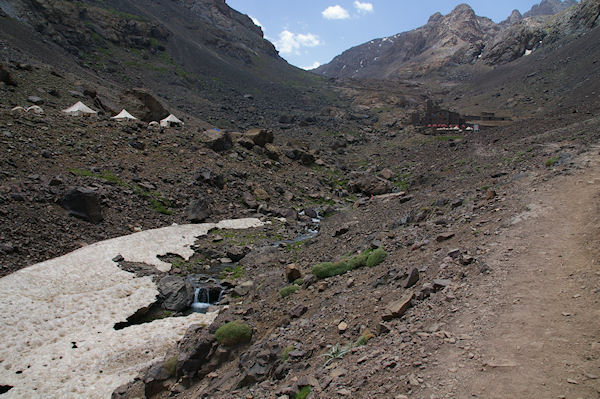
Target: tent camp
(124, 116)
(170, 121)
(79, 109)
(35, 109)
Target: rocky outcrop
(549, 7)
(143, 104)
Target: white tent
(171, 120)
(17, 110)
(124, 116)
(79, 109)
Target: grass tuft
(234, 333)
(368, 258)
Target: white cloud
(290, 42)
(335, 12)
(363, 7)
(313, 66)
(256, 22)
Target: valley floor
(533, 329)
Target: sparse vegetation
(337, 351)
(304, 392)
(234, 333)
(289, 290)
(364, 339)
(170, 365)
(232, 273)
(368, 258)
(550, 162)
(285, 353)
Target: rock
(292, 272)
(412, 279)
(216, 140)
(382, 328)
(261, 194)
(297, 311)
(258, 363)
(454, 253)
(288, 213)
(440, 284)
(444, 236)
(338, 372)
(174, 293)
(243, 289)
(194, 349)
(5, 76)
(398, 308)
(272, 151)
(198, 210)
(456, 203)
(466, 260)
(260, 137)
(249, 200)
(342, 327)
(386, 174)
(311, 213)
(131, 390)
(490, 194)
(246, 142)
(83, 203)
(141, 103)
(371, 185)
(35, 100)
(237, 253)
(118, 258)
(207, 176)
(309, 380)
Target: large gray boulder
(174, 293)
(83, 203)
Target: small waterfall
(203, 300)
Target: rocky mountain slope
(462, 38)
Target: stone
(198, 210)
(118, 258)
(371, 185)
(444, 236)
(243, 289)
(258, 363)
(216, 140)
(84, 204)
(6, 77)
(237, 253)
(456, 203)
(260, 137)
(292, 272)
(382, 328)
(249, 200)
(193, 350)
(272, 151)
(397, 308)
(490, 194)
(309, 380)
(440, 284)
(207, 176)
(143, 104)
(337, 373)
(454, 253)
(174, 293)
(261, 194)
(412, 279)
(35, 100)
(342, 327)
(297, 311)
(466, 260)
(386, 174)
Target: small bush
(551, 162)
(359, 260)
(285, 354)
(364, 338)
(289, 290)
(234, 333)
(300, 281)
(330, 269)
(304, 392)
(376, 257)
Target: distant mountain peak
(549, 7)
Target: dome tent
(79, 109)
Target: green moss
(330, 269)
(364, 339)
(232, 273)
(376, 257)
(159, 207)
(234, 333)
(304, 392)
(289, 290)
(285, 353)
(299, 281)
(170, 365)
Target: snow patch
(56, 335)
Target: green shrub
(300, 281)
(289, 290)
(376, 257)
(285, 354)
(304, 392)
(551, 162)
(359, 260)
(234, 333)
(364, 338)
(330, 269)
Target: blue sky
(312, 32)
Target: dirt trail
(532, 329)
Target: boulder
(194, 350)
(207, 176)
(216, 140)
(243, 289)
(297, 311)
(198, 210)
(83, 203)
(258, 363)
(141, 103)
(260, 137)
(292, 272)
(6, 77)
(371, 185)
(174, 293)
(237, 253)
(35, 100)
(412, 279)
(272, 151)
(398, 308)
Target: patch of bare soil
(532, 329)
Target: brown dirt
(531, 331)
